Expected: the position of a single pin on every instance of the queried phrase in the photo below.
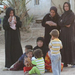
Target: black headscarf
(68, 5)
(44, 48)
(56, 14)
(40, 39)
(9, 9)
(54, 8)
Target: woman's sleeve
(69, 21)
(19, 23)
(6, 25)
(44, 21)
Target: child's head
(29, 53)
(10, 12)
(54, 33)
(38, 53)
(40, 41)
(27, 47)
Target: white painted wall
(38, 11)
(72, 2)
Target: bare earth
(27, 38)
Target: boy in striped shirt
(55, 46)
(39, 63)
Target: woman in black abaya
(50, 22)
(13, 49)
(67, 35)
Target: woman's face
(40, 43)
(66, 7)
(52, 13)
(11, 13)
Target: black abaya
(48, 28)
(13, 49)
(67, 37)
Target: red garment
(17, 66)
(48, 63)
(27, 69)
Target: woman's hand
(10, 19)
(68, 26)
(51, 23)
(15, 22)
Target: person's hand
(15, 22)
(51, 23)
(26, 64)
(68, 26)
(10, 18)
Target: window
(36, 2)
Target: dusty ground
(27, 38)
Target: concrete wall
(38, 11)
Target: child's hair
(54, 33)
(29, 47)
(38, 53)
(29, 51)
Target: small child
(20, 63)
(55, 46)
(27, 61)
(12, 22)
(39, 63)
(28, 58)
(27, 47)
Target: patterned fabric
(48, 63)
(39, 62)
(55, 46)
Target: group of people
(66, 26)
(58, 41)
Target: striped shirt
(40, 64)
(55, 46)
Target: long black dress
(13, 49)
(48, 28)
(67, 37)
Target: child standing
(55, 46)
(39, 67)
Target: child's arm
(22, 57)
(50, 45)
(61, 46)
(34, 63)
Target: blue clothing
(0, 21)
(22, 57)
(56, 64)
